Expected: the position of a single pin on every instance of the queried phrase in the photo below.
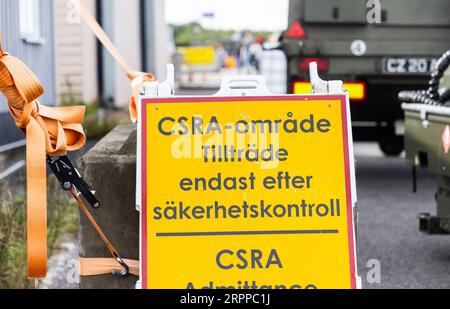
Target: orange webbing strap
(101, 266)
(49, 131)
(137, 78)
(104, 266)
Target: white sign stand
(252, 85)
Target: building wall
(127, 37)
(161, 41)
(156, 38)
(39, 57)
(77, 59)
(75, 54)
(133, 37)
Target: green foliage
(62, 219)
(194, 33)
(97, 121)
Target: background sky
(268, 15)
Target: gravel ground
(62, 266)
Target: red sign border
(145, 103)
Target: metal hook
(121, 273)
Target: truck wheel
(392, 147)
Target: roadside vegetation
(98, 120)
(62, 219)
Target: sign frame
(350, 184)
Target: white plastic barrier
(274, 69)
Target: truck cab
(377, 47)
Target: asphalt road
(388, 224)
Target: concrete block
(110, 168)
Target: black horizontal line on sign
(246, 233)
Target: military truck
(427, 141)
(376, 47)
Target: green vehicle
(427, 141)
(377, 48)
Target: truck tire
(392, 146)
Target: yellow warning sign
(246, 193)
(198, 55)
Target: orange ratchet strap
(137, 78)
(49, 131)
(102, 266)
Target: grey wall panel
(39, 57)
(108, 64)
